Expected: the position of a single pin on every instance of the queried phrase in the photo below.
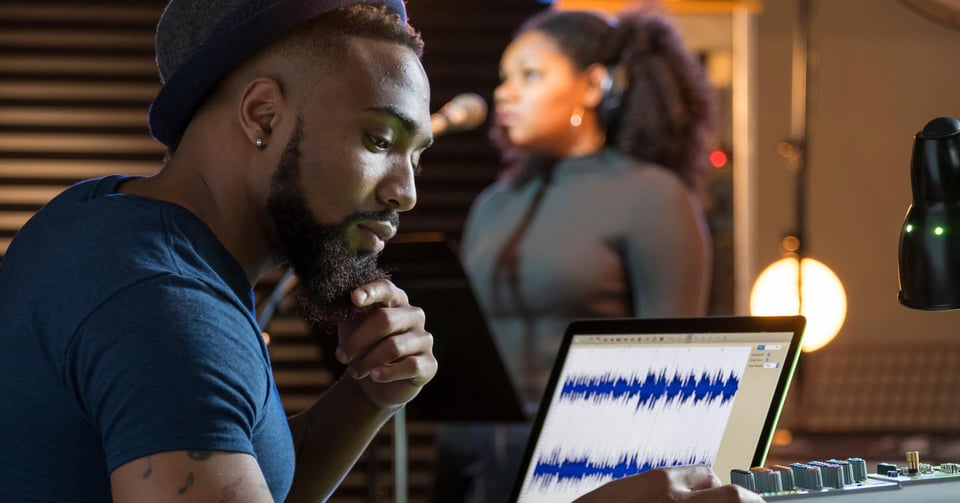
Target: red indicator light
(718, 158)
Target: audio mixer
(847, 481)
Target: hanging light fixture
(797, 283)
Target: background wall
(879, 73)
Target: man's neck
(216, 199)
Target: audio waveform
(652, 388)
(618, 413)
(555, 469)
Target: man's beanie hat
(201, 41)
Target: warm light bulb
(824, 301)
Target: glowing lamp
(808, 287)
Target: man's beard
(326, 268)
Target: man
(133, 367)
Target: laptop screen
(630, 395)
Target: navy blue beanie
(200, 41)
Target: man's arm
(157, 378)
(390, 357)
(191, 476)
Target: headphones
(614, 86)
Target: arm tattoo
(230, 491)
(196, 456)
(200, 455)
(149, 471)
(189, 482)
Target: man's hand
(388, 350)
(691, 484)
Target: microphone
(464, 112)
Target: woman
(605, 129)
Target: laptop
(630, 395)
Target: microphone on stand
(464, 112)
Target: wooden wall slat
(56, 143)
(53, 66)
(12, 220)
(93, 94)
(14, 170)
(28, 194)
(58, 118)
(97, 13)
(14, 38)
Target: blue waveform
(652, 387)
(554, 468)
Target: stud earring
(260, 144)
(576, 118)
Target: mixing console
(847, 481)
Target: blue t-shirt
(127, 329)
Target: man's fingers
(706, 487)
(382, 292)
(730, 493)
(689, 484)
(417, 369)
(695, 477)
(379, 325)
(390, 350)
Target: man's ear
(261, 109)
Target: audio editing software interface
(624, 404)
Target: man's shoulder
(90, 227)
(90, 246)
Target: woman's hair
(661, 108)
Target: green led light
(938, 230)
(909, 228)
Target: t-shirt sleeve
(169, 364)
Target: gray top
(612, 238)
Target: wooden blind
(75, 83)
